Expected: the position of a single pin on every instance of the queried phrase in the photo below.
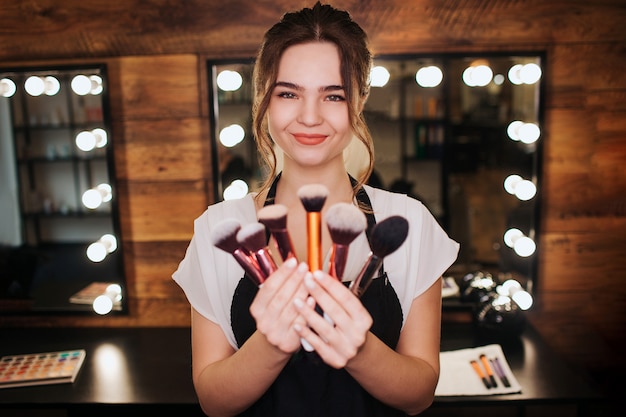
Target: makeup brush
(386, 236)
(252, 237)
(313, 198)
(224, 237)
(274, 217)
(345, 222)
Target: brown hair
(321, 23)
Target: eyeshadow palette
(40, 368)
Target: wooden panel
(134, 27)
(583, 261)
(160, 211)
(163, 150)
(154, 87)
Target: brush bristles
(388, 235)
(313, 197)
(345, 222)
(273, 216)
(224, 235)
(252, 236)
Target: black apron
(307, 387)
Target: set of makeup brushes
(491, 366)
(247, 243)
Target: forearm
(229, 386)
(404, 382)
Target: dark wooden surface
(156, 53)
(139, 369)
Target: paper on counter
(458, 378)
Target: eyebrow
(297, 87)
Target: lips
(309, 139)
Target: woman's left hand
(338, 335)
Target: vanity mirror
(59, 230)
(460, 132)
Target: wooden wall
(156, 53)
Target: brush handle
(364, 279)
(338, 258)
(265, 261)
(283, 243)
(314, 240)
(250, 266)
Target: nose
(310, 113)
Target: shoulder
(386, 203)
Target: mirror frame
(115, 265)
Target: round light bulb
(81, 85)
(7, 87)
(101, 137)
(95, 82)
(511, 182)
(228, 80)
(529, 132)
(514, 74)
(85, 141)
(379, 76)
(96, 252)
(34, 86)
(102, 304)
(524, 246)
(511, 236)
(92, 199)
(525, 190)
(430, 76)
(530, 73)
(232, 135)
(51, 86)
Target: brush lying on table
(345, 222)
(224, 236)
(386, 237)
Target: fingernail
(308, 281)
(319, 275)
(298, 303)
(303, 267)
(291, 263)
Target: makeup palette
(40, 368)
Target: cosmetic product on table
(473, 371)
(40, 368)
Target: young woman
(378, 355)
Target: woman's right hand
(273, 307)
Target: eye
(285, 94)
(335, 97)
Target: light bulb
(102, 304)
(232, 135)
(96, 252)
(7, 87)
(430, 76)
(92, 198)
(51, 86)
(228, 80)
(524, 246)
(34, 86)
(81, 85)
(379, 76)
(86, 141)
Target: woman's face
(308, 112)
